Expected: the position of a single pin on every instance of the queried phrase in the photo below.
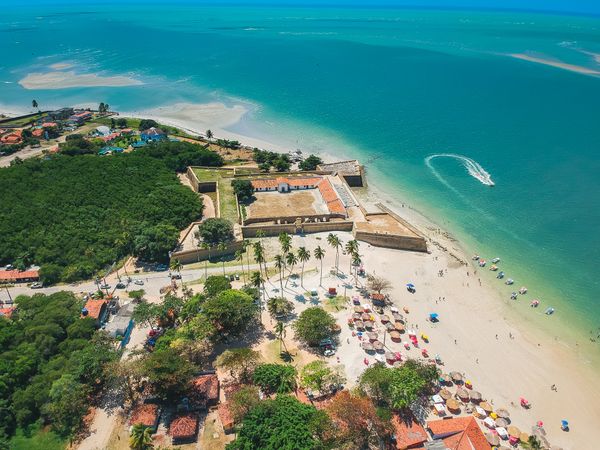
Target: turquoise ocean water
(401, 84)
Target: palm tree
(335, 243)
(280, 332)
(209, 134)
(286, 242)
(320, 254)
(279, 265)
(222, 247)
(279, 307)
(356, 262)
(257, 281)
(291, 260)
(303, 256)
(351, 249)
(259, 254)
(34, 105)
(141, 437)
(245, 245)
(239, 256)
(176, 266)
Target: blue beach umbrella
(564, 424)
(410, 285)
(433, 316)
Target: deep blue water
(399, 83)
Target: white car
(138, 282)
(37, 285)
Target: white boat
(482, 263)
(475, 257)
(509, 281)
(496, 260)
(513, 296)
(493, 268)
(549, 311)
(523, 290)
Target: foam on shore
(70, 79)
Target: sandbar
(557, 64)
(70, 79)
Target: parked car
(120, 285)
(162, 267)
(105, 286)
(138, 282)
(176, 276)
(37, 285)
(237, 276)
(231, 278)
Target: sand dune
(553, 63)
(65, 80)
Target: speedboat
(493, 268)
(535, 303)
(509, 281)
(496, 260)
(475, 257)
(523, 290)
(549, 311)
(500, 275)
(482, 263)
(513, 296)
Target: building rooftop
(94, 308)
(350, 167)
(153, 132)
(225, 416)
(408, 434)
(184, 427)
(206, 387)
(459, 433)
(146, 414)
(18, 275)
(7, 312)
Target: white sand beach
(70, 79)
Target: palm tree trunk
(321, 274)
(302, 275)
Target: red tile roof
(146, 414)
(334, 204)
(292, 181)
(206, 387)
(225, 416)
(461, 433)
(37, 133)
(15, 275)
(184, 427)
(408, 435)
(7, 312)
(12, 138)
(94, 307)
(153, 132)
(49, 124)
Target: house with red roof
(146, 414)
(17, 276)
(226, 417)
(12, 138)
(459, 433)
(408, 434)
(97, 309)
(7, 312)
(204, 390)
(184, 428)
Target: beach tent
(359, 324)
(390, 356)
(356, 316)
(437, 399)
(489, 422)
(480, 412)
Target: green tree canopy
(169, 374)
(154, 243)
(240, 362)
(313, 325)
(216, 284)
(282, 423)
(275, 378)
(231, 312)
(317, 375)
(243, 189)
(214, 231)
(310, 163)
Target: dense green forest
(51, 365)
(74, 215)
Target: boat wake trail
(473, 168)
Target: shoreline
(425, 222)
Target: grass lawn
(21, 122)
(335, 304)
(38, 440)
(227, 203)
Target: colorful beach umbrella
(503, 413)
(462, 394)
(452, 404)
(500, 422)
(445, 394)
(456, 376)
(486, 407)
(513, 431)
(475, 396)
(492, 438)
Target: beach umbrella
(390, 327)
(445, 394)
(453, 405)
(524, 437)
(398, 317)
(475, 396)
(359, 309)
(394, 309)
(503, 413)
(356, 316)
(398, 364)
(513, 431)
(410, 285)
(492, 438)
(368, 324)
(486, 407)
(398, 326)
(446, 378)
(377, 345)
(500, 422)
(366, 316)
(395, 336)
(456, 376)
(367, 346)
(372, 335)
(390, 356)
(462, 394)
(385, 318)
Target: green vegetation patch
(76, 215)
(227, 203)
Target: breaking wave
(473, 168)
